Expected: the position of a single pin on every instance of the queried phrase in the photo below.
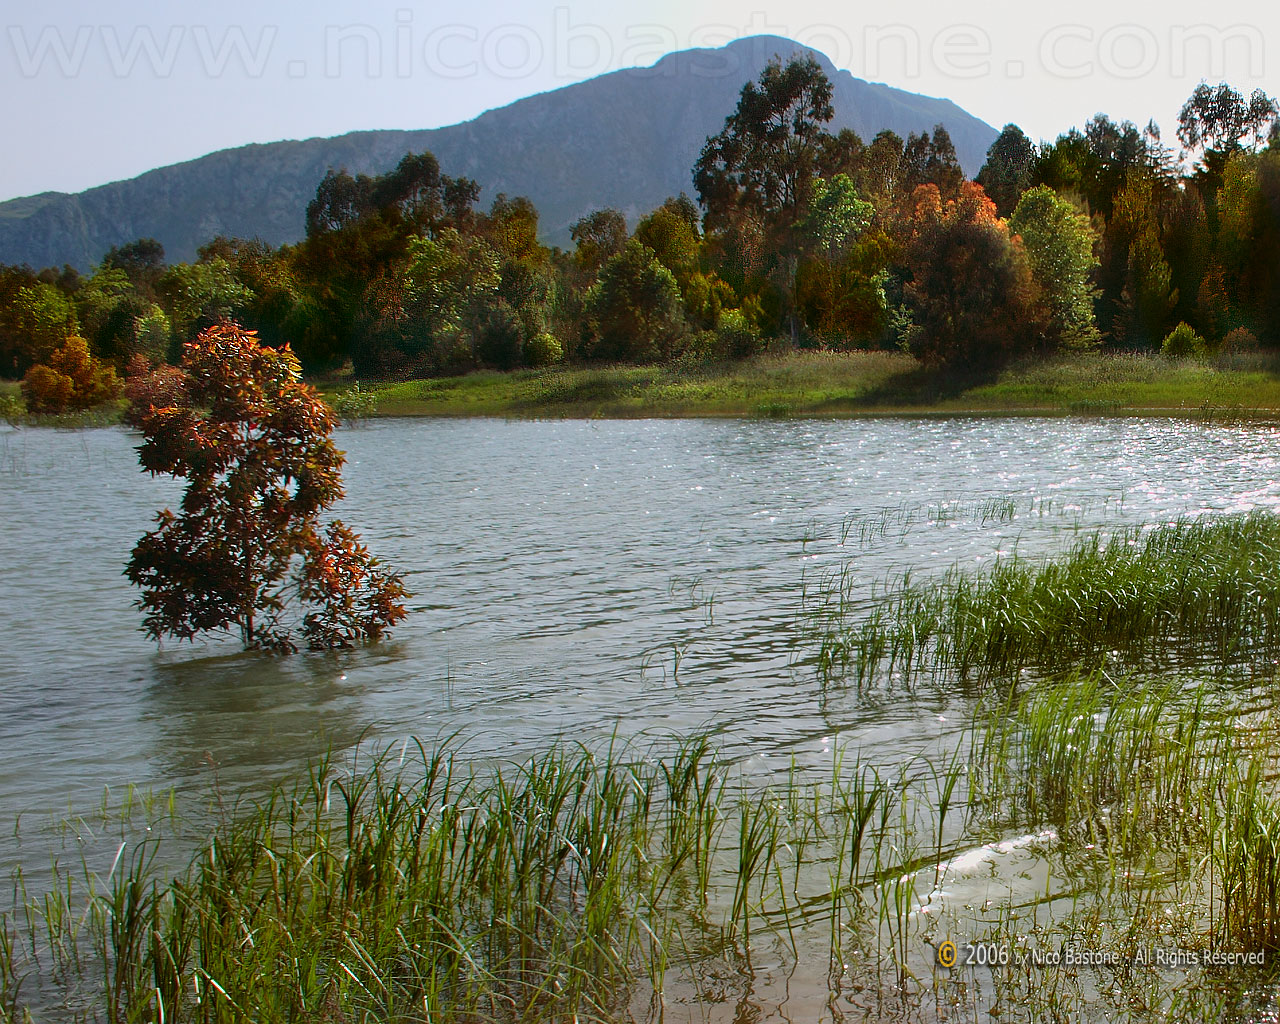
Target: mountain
(627, 139)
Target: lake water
(570, 579)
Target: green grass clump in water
(1167, 779)
(1245, 826)
(1063, 752)
(1200, 587)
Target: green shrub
(702, 347)
(737, 336)
(453, 353)
(354, 404)
(12, 408)
(1183, 342)
(543, 350)
(635, 310)
(499, 338)
(153, 334)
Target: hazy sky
(97, 90)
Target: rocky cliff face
(627, 140)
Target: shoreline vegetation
(850, 384)
(804, 384)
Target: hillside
(626, 139)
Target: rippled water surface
(570, 579)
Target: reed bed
(1175, 779)
(1088, 751)
(415, 888)
(1245, 855)
(1207, 587)
(584, 884)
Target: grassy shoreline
(856, 384)
(1102, 801)
(818, 385)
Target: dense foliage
(970, 286)
(247, 549)
(801, 237)
(72, 379)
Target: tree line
(799, 237)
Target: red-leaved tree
(973, 300)
(246, 551)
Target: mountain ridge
(626, 139)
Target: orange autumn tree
(247, 552)
(71, 378)
(973, 299)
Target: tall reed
(1195, 588)
(422, 886)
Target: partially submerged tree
(247, 551)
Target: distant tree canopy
(1219, 118)
(141, 261)
(1059, 244)
(598, 236)
(635, 308)
(414, 193)
(39, 318)
(762, 163)
(800, 237)
(971, 291)
(1007, 172)
(931, 161)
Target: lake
(573, 580)
(570, 579)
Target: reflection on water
(570, 579)
(266, 713)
